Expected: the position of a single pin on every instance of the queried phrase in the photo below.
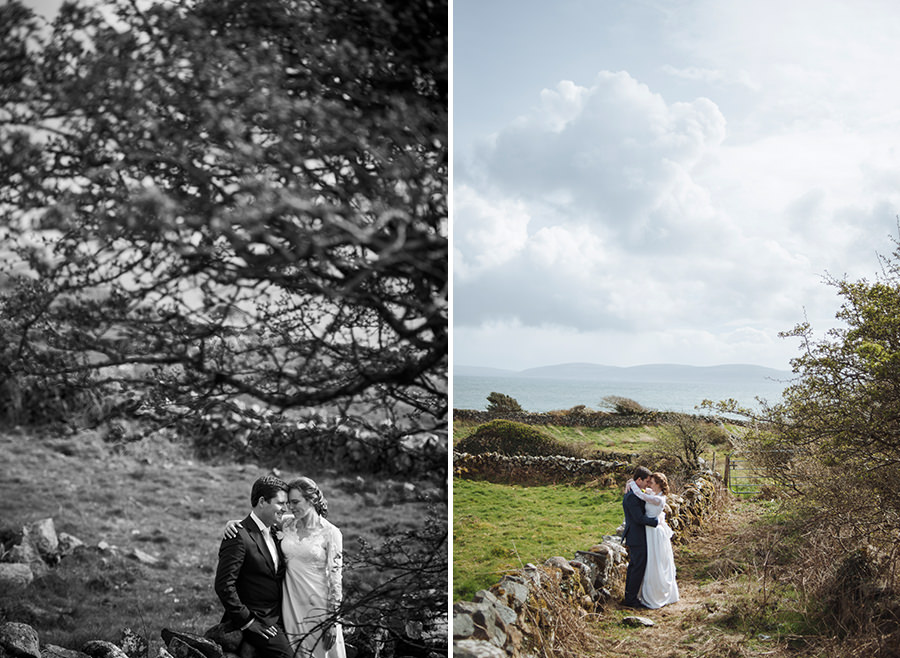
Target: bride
(312, 548)
(658, 587)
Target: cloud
(688, 216)
(615, 150)
(490, 233)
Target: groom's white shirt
(267, 535)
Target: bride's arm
(232, 527)
(648, 498)
(334, 567)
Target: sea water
(539, 394)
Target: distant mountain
(659, 372)
(479, 371)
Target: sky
(666, 181)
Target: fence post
(727, 470)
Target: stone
(19, 641)
(26, 553)
(198, 643)
(102, 649)
(463, 625)
(637, 621)
(485, 596)
(512, 592)
(134, 645)
(225, 637)
(181, 649)
(15, 574)
(476, 649)
(53, 651)
(560, 563)
(68, 543)
(142, 557)
(42, 535)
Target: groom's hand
(329, 638)
(261, 629)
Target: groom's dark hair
(641, 473)
(266, 487)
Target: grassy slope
(153, 496)
(498, 528)
(492, 522)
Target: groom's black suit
(635, 538)
(249, 586)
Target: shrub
(623, 406)
(501, 402)
(510, 438)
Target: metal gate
(742, 477)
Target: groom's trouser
(637, 565)
(273, 647)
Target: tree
(835, 437)
(220, 200)
(624, 406)
(502, 403)
(687, 438)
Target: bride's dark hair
(311, 493)
(662, 481)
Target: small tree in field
(502, 403)
(687, 439)
(624, 406)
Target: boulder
(68, 543)
(53, 651)
(134, 645)
(182, 644)
(477, 649)
(18, 641)
(26, 553)
(513, 591)
(221, 634)
(42, 535)
(560, 563)
(15, 574)
(102, 649)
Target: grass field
(154, 496)
(498, 528)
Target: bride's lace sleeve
(646, 497)
(334, 566)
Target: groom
(251, 569)
(635, 538)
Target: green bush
(510, 438)
(502, 402)
(624, 406)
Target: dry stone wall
(508, 619)
(507, 469)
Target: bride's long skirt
(659, 587)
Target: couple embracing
(650, 579)
(279, 574)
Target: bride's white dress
(312, 586)
(659, 587)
